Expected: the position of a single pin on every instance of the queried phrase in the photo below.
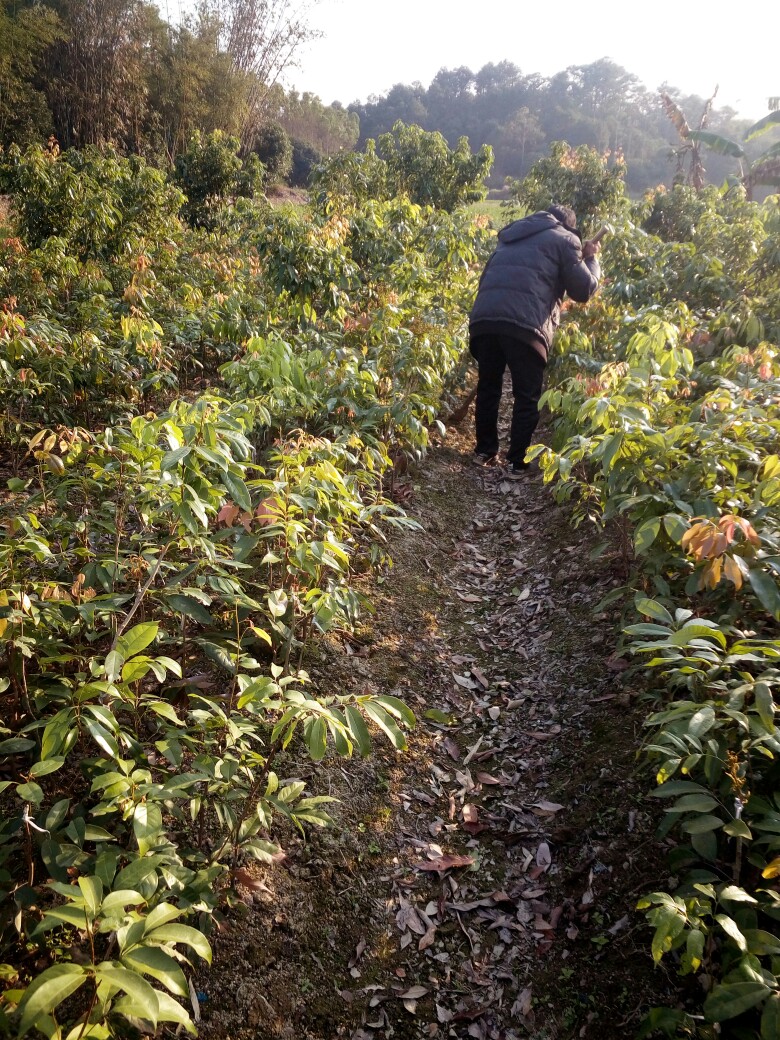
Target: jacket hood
(528, 226)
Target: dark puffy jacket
(537, 260)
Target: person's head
(565, 214)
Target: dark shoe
(483, 460)
(516, 471)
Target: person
(514, 317)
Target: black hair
(565, 214)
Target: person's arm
(582, 272)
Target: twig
(140, 595)
(465, 931)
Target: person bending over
(538, 260)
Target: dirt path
(482, 884)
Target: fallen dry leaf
(616, 664)
(428, 939)
(470, 813)
(414, 993)
(479, 676)
(445, 863)
(548, 807)
(543, 855)
(522, 1006)
(408, 918)
(246, 879)
(451, 748)
(360, 949)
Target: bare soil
(280, 194)
(482, 883)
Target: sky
(369, 45)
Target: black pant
(526, 365)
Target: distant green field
(491, 208)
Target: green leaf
(92, 890)
(49, 765)
(676, 526)
(48, 991)
(142, 995)
(170, 1010)
(120, 898)
(718, 143)
(731, 928)
(165, 710)
(147, 825)
(770, 1018)
(701, 803)
(137, 872)
(701, 824)
(728, 1001)
(765, 705)
(651, 608)
(398, 708)
(701, 721)
(219, 655)
(661, 1020)
(762, 125)
(435, 715)
(738, 829)
(262, 850)
(766, 591)
(151, 960)
(57, 814)
(113, 665)
(73, 915)
(137, 639)
(32, 793)
(706, 845)
(668, 925)
(646, 534)
(237, 490)
(104, 740)
(189, 607)
(162, 914)
(183, 933)
(171, 459)
(387, 724)
(277, 602)
(736, 894)
(698, 630)
(15, 745)
(315, 734)
(135, 669)
(675, 787)
(210, 455)
(358, 729)
(291, 792)
(761, 943)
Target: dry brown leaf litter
(482, 884)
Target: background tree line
(94, 72)
(600, 105)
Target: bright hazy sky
(369, 45)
